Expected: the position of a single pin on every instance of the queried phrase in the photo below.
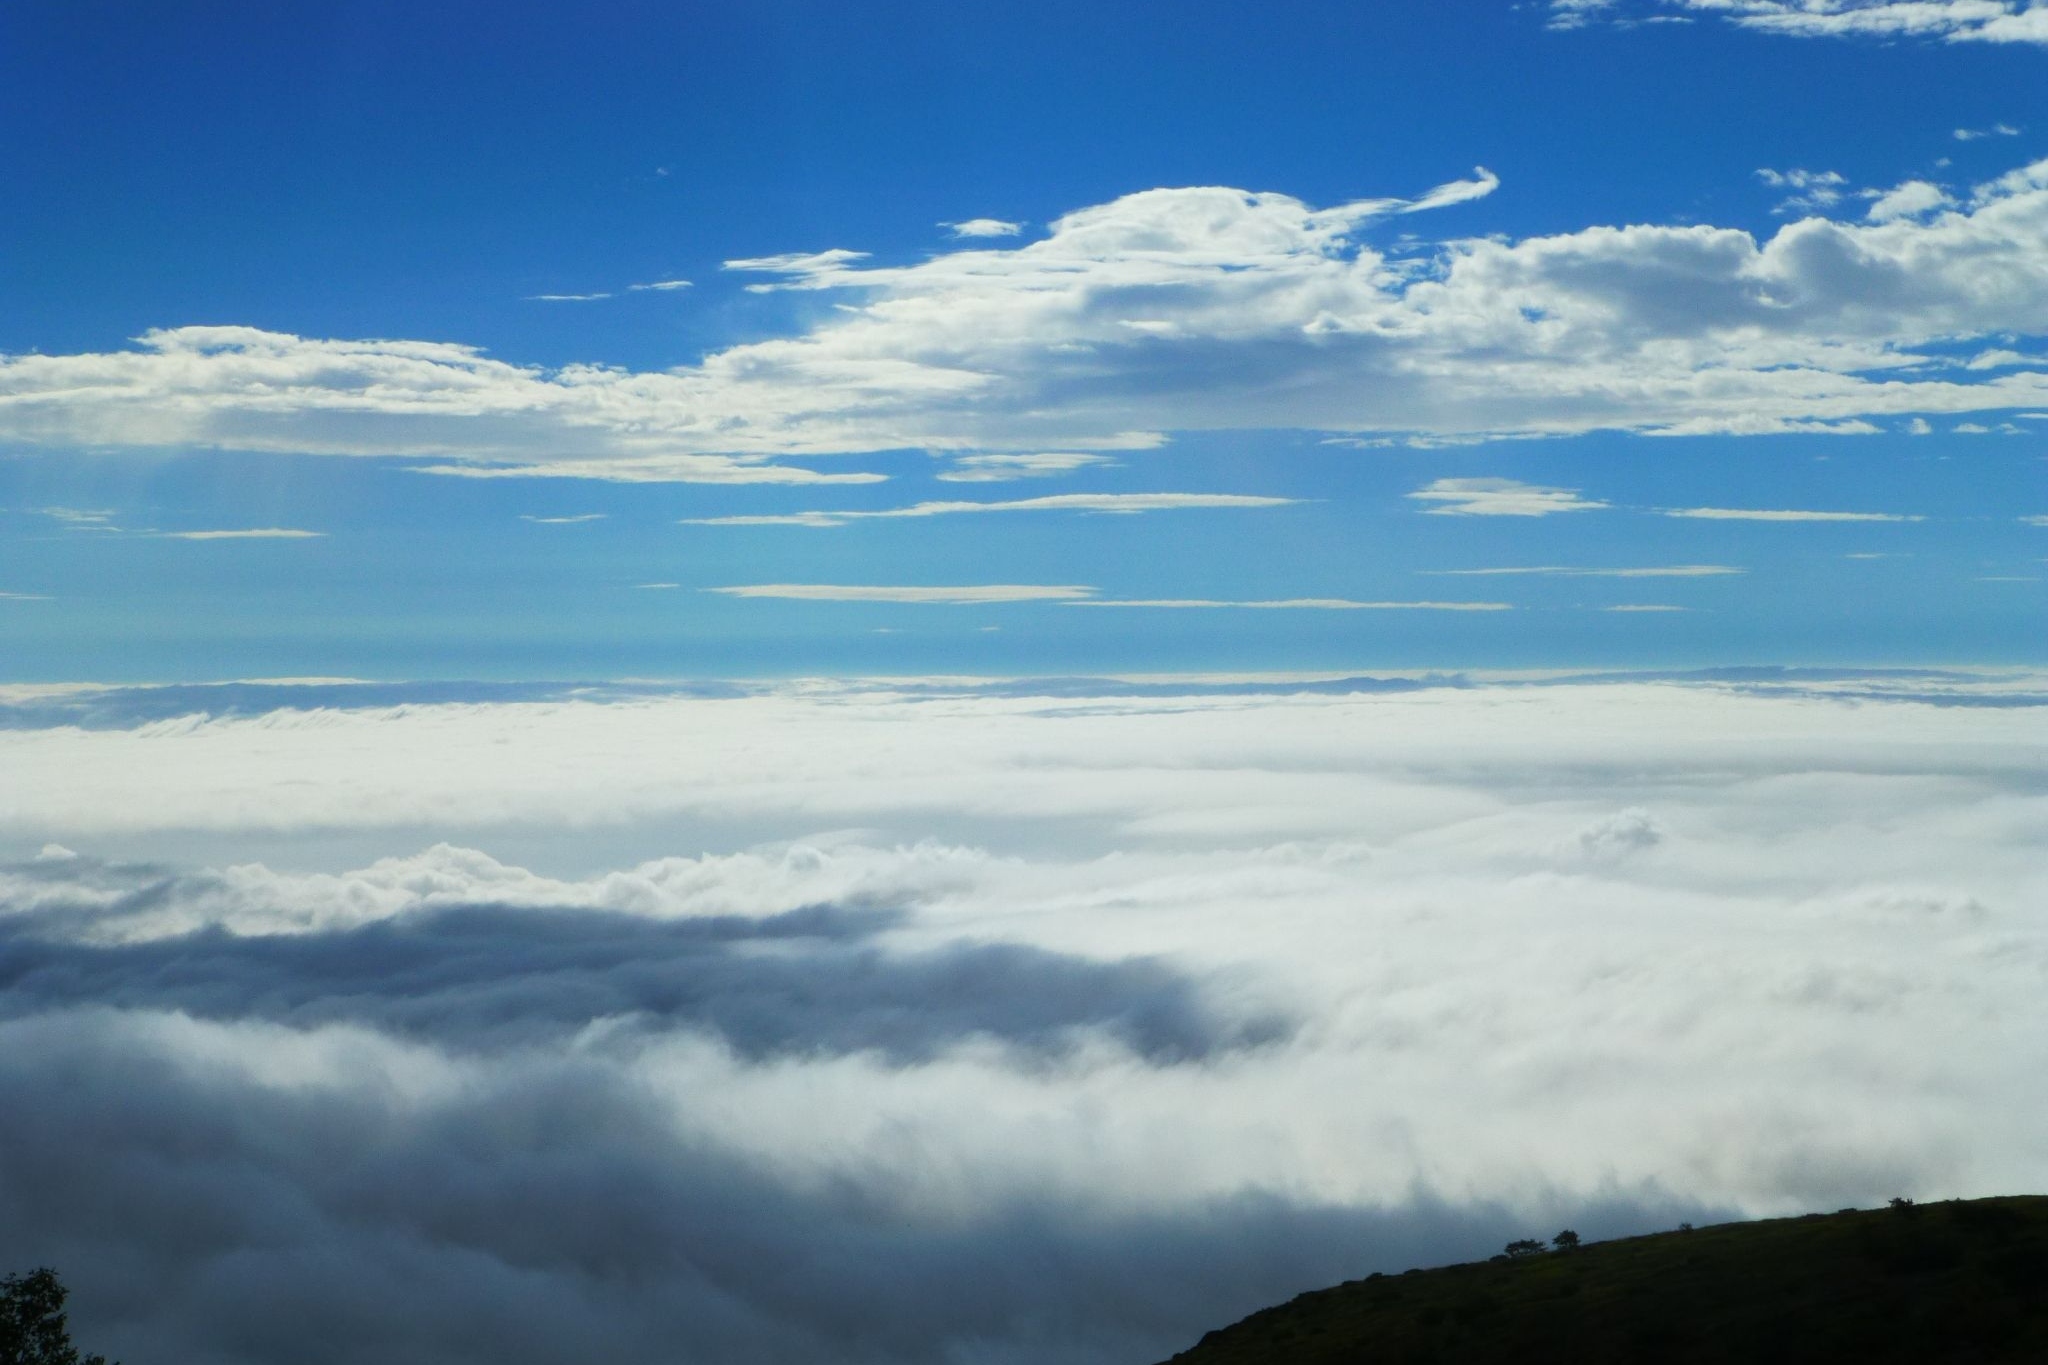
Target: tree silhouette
(1566, 1240)
(1524, 1246)
(32, 1328)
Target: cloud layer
(1106, 1014)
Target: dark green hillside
(1954, 1282)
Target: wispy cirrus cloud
(1569, 571)
(716, 469)
(1004, 468)
(1955, 21)
(974, 595)
(1782, 514)
(243, 533)
(1499, 498)
(82, 518)
(1290, 604)
(1113, 504)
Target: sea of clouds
(958, 1022)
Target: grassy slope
(1953, 1282)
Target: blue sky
(1235, 295)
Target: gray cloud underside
(811, 981)
(546, 1212)
(1165, 310)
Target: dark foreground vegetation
(1934, 1284)
(32, 1328)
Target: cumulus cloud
(1076, 1081)
(1813, 190)
(1617, 836)
(1118, 504)
(1202, 308)
(962, 596)
(1912, 199)
(1499, 498)
(1995, 130)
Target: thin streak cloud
(1763, 514)
(1294, 604)
(1499, 498)
(978, 595)
(1568, 571)
(1118, 504)
(252, 533)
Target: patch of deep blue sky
(388, 170)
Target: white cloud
(1955, 21)
(1499, 498)
(1995, 130)
(1815, 189)
(1114, 504)
(659, 286)
(82, 519)
(803, 265)
(1913, 199)
(1568, 571)
(2035, 521)
(984, 227)
(1002, 468)
(653, 469)
(23, 597)
(976, 595)
(1191, 309)
(576, 520)
(1763, 514)
(1569, 14)
(1766, 950)
(250, 533)
(1295, 604)
(565, 298)
(1997, 358)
